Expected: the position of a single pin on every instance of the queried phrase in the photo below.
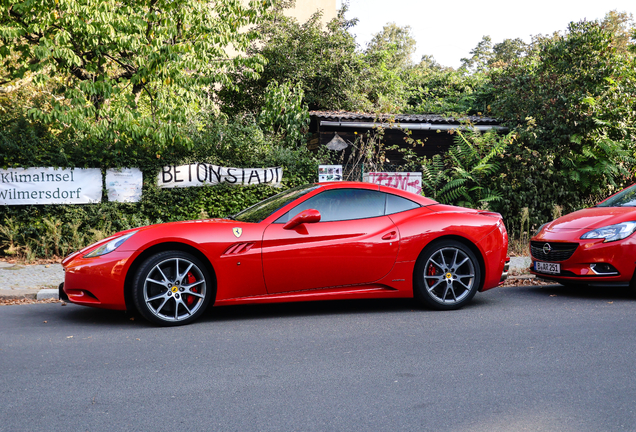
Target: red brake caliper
(191, 299)
(431, 271)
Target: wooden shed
(434, 131)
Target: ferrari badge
(237, 232)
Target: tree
(126, 71)
(322, 62)
(396, 40)
(486, 55)
(437, 90)
(572, 103)
(622, 26)
(507, 51)
(481, 56)
(284, 114)
(428, 62)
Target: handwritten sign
(200, 174)
(406, 181)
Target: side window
(396, 204)
(342, 204)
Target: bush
(48, 230)
(572, 103)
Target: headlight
(612, 232)
(539, 230)
(110, 246)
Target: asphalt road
(517, 359)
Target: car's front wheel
(447, 275)
(172, 288)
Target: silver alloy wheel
(449, 275)
(174, 289)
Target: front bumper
(97, 282)
(588, 264)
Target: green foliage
(572, 103)
(383, 82)
(481, 56)
(47, 230)
(326, 64)
(126, 72)
(464, 176)
(486, 55)
(322, 62)
(622, 26)
(284, 113)
(397, 41)
(436, 90)
(106, 84)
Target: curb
(29, 294)
(45, 294)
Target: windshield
(263, 209)
(626, 198)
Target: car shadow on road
(582, 292)
(313, 308)
(87, 316)
(98, 317)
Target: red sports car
(343, 240)
(594, 246)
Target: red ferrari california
(343, 240)
(593, 246)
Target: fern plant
(462, 177)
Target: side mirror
(305, 216)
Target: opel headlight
(612, 232)
(109, 246)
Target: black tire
(172, 288)
(447, 275)
(632, 286)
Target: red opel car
(594, 246)
(343, 240)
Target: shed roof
(401, 118)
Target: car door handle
(390, 236)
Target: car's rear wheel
(632, 285)
(172, 288)
(447, 275)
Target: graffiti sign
(406, 181)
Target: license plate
(545, 267)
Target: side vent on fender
(238, 248)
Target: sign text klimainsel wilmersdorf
(24, 186)
(200, 174)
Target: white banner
(26, 186)
(207, 174)
(124, 184)
(406, 181)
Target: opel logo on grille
(547, 248)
